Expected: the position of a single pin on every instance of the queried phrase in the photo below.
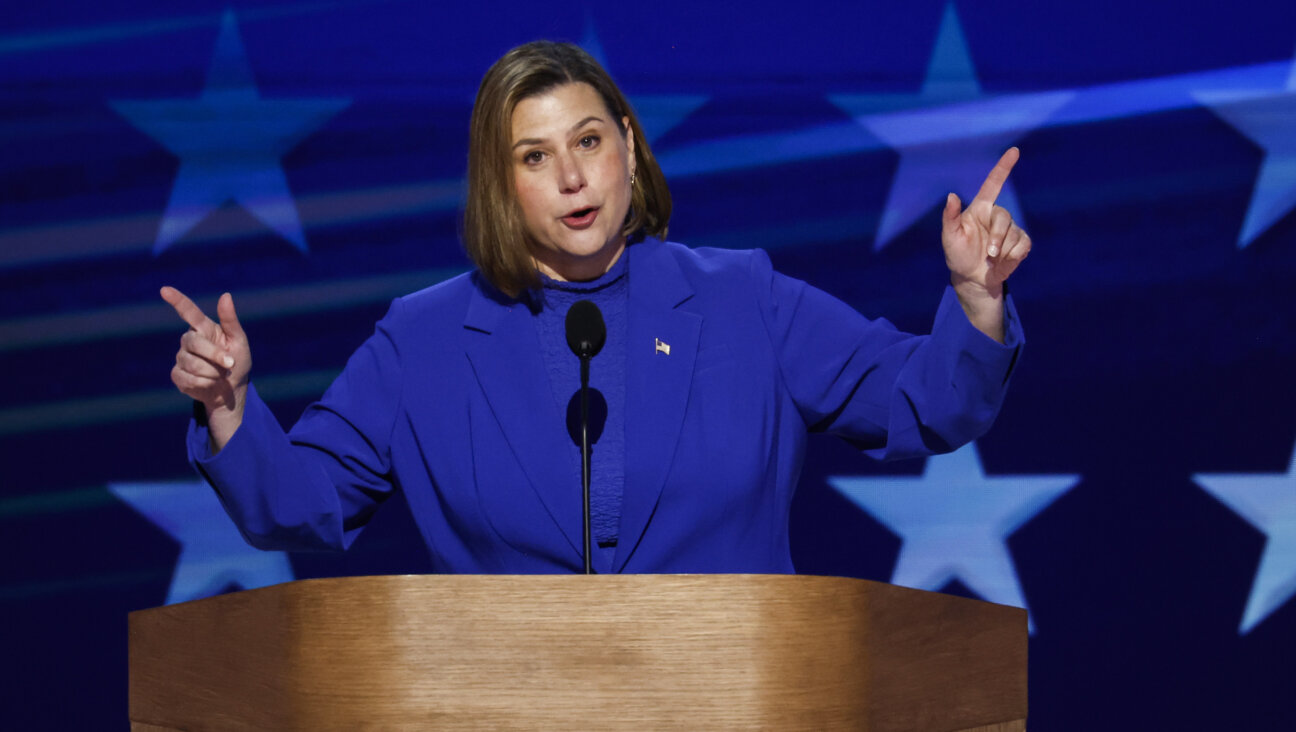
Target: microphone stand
(585, 460)
(586, 333)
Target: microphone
(585, 329)
(586, 334)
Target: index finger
(994, 182)
(186, 309)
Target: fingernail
(994, 252)
(229, 362)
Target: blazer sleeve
(317, 485)
(891, 394)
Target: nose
(571, 174)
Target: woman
(714, 371)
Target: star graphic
(658, 113)
(954, 521)
(229, 141)
(1268, 118)
(213, 555)
(1268, 502)
(949, 135)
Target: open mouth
(581, 217)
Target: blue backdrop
(1138, 493)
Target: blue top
(607, 402)
(729, 367)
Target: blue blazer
(449, 402)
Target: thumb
(953, 207)
(229, 318)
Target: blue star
(213, 555)
(949, 135)
(1268, 118)
(1267, 502)
(658, 113)
(229, 142)
(954, 521)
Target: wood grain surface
(578, 652)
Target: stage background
(1137, 494)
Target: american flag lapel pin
(662, 347)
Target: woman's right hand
(213, 363)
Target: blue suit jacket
(448, 402)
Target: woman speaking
(713, 372)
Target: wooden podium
(570, 652)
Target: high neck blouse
(610, 293)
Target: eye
(533, 158)
(589, 141)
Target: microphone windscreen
(585, 329)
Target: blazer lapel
(660, 350)
(506, 357)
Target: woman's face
(571, 168)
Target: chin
(588, 249)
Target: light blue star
(229, 142)
(953, 521)
(658, 113)
(949, 135)
(213, 555)
(1268, 502)
(1268, 118)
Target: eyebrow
(577, 126)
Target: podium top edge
(541, 582)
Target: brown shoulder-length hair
(494, 232)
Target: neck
(581, 269)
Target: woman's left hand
(983, 247)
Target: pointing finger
(994, 182)
(187, 310)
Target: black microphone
(585, 329)
(585, 336)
